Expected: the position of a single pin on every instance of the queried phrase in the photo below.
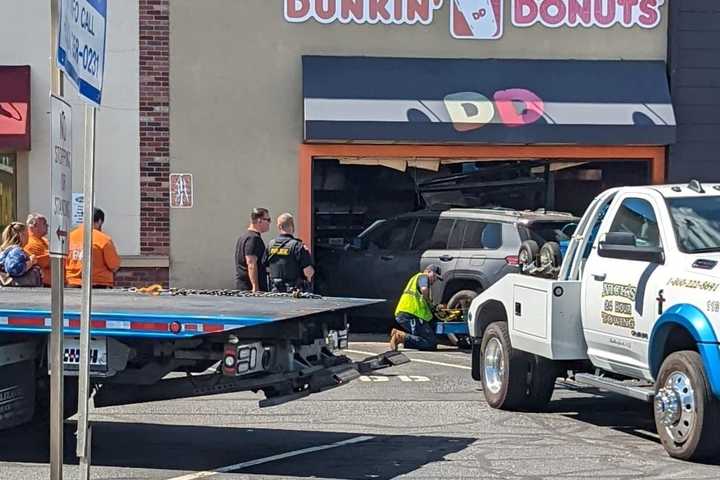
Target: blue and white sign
(81, 45)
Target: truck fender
(695, 322)
(486, 313)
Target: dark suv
(473, 247)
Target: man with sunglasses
(251, 273)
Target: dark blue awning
(409, 100)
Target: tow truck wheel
(513, 380)
(461, 300)
(501, 366)
(687, 415)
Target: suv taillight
(513, 260)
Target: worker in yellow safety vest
(414, 313)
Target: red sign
(15, 107)
(476, 19)
(362, 11)
(587, 13)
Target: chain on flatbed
(225, 293)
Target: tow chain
(175, 292)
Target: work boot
(396, 338)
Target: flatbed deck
(125, 313)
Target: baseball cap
(435, 269)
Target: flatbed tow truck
(177, 344)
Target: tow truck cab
(635, 309)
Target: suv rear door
(441, 244)
(485, 247)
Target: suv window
(481, 235)
(439, 239)
(393, 235)
(543, 232)
(456, 236)
(424, 233)
(637, 216)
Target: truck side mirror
(622, 245)
(620, 238)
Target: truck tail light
(229, 359)
(513, 260)
(240, 359)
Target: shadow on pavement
(200, 448)
(609, 410)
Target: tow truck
(177, 344)
(632, 308)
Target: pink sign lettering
(514, 107)
(587, 13)
(388, 12)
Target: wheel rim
(524, 257)
(494, 365)
(675, 407)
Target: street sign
(81, 46)
(60, 174)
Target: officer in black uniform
(289, 261)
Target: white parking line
(416, 360)
(273, 458)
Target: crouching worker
(414, 313)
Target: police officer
(289, 261)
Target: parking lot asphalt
(426, 419)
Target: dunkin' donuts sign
(480, 19)
(586, 13)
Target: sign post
(61, 173)
(81, 55)
(60, 195)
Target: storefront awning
(404, 100)
(15, 107)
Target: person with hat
(414, 312)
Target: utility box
(546, 318)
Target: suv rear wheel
(461, 300)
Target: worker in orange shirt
(105, 260)
(37, 244)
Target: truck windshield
(696, 221)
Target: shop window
(8, 189)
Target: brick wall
(154, 127)
(142, 277)
(694, 60)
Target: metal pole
(83, 443)
(57, 269)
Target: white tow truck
(633, 308)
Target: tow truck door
(617, 305)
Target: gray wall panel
(694, 63)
